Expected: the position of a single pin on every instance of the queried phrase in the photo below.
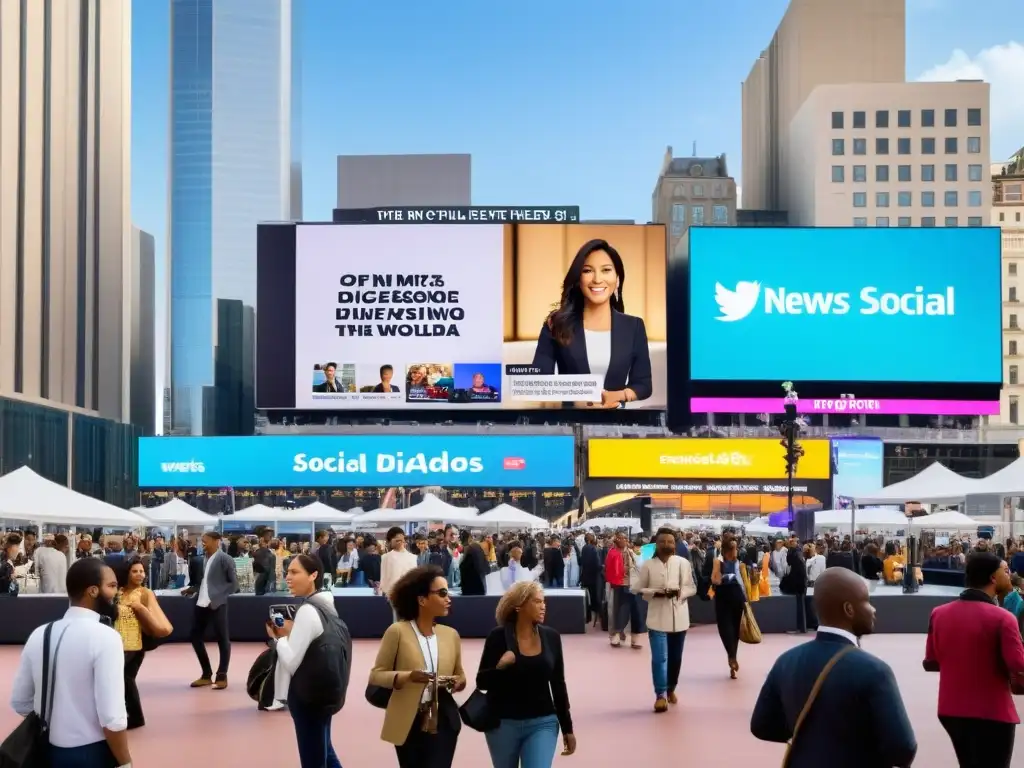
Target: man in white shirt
(51, 565)
(88, 721)
(218, 582)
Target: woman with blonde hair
(522, 672)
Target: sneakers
(661, 704)
(614, 640)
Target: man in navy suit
(858, 719)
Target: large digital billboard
(868, 315)
(322, 461)
(462, 316)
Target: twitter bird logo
(737, 304)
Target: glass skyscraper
(235, 105)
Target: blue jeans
(313, 737)
(666, 660)
(524, 743)
(96, 755)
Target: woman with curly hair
(414, 652)
(522, 671)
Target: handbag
(750, 633)
(475, 711)
(260, 673)
(28, 745)
(811, 698)
(377, 695)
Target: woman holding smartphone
(413, 653)
(522, 670)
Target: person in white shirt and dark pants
(87, 718)
(216, 585)
(395, 563)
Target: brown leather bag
(810, 699)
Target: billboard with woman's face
(419, 316)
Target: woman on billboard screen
(589, 332)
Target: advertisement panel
(705, 459)
(464, 461)
(845, 305)
(859, 465)
(427, 316)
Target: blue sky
(568, 102)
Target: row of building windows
(951, 172)
(950, 199)
(719, 214)
(950, 144)
(697, 190)
(904, 118)
(926, 221)
(1002, 215)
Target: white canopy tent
(614, 523)
(26, 496)
(876, 518)
(945, 521)
(429, 510)
(1008, 481)
(312, 513)
(935, 484)
(699, 522)
(761, 527)
(507, 516)
(175, 512)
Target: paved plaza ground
(610, 691)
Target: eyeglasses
(442, 593)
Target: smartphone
(278, 620)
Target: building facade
(692, 191)
(235, 162)
(890, 154)
(1007, 213)
(806, 52)
(371, 181)
(143, 332)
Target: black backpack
(321, 681)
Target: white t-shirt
(428, 647)
(599, 352)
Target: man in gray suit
(217, 583)
(51, 565)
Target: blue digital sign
(857, 304)
(463, 461)
(858, 464)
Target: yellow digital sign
(705, 459)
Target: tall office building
(806, 52)
(143, 332)
(371, 181)
(65, 242)
(235, 162)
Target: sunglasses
(442, 593)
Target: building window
(1012, 193)
(952, 221)
(881, 221)
(903, 173)
(860, 221)
(881, 199)
(1012, 293)
(860, 199)
(677, 228)
(974, 145)
(860, 146)
(860, 173)
(882, 118)
(837, 120)
(881, 173)
(974, 117)
(903, 221)
(1013, 374)
(974, 198)
(698, 190)
(1002, 216)
(1013, 410)
(838, 173)
(1011, 269)
(718, 191)
(974, 221)
(903, 146)
(927, 118)
(1013, 321)
(950, 118)
(927, 145)
(951, 199)
(1013, 347)
(881, 146)
(950, 171)
(951, 145)
(838, 147)
(679, 212)
(903, 118)
(679, 191)
(927, 199)
(904, 199)
(927, 221)
(927, 173)
(859, 120)
(697, 215)
(720, 214)
(974, 173)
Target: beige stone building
(693, 191)
(1007, 213)
(65, 219)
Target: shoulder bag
(476, 711)
(811, 698)
(377, 695)
(750, 632)
(28, 745)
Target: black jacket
(473, 570)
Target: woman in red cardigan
(620, 570)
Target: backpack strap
(49, 675)
(812, 697)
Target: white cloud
(1002, 66)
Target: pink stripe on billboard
(859, 405)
